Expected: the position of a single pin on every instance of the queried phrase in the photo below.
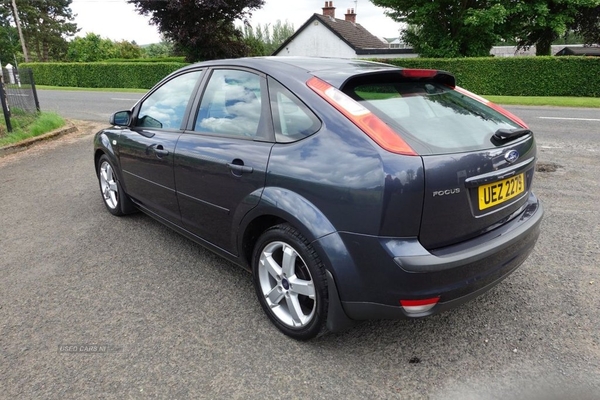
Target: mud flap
(337, 320)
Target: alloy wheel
(108, 185)
(287, 285)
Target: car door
(146, 150)
(221, 161)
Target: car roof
(335, 71)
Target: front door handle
(159, 150)
(239, 169)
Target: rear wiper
(510, 134)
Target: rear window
(431, 117)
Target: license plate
(492, 194)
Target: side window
(164, 108)
(231, 104)
(292, 119)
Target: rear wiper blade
(510, 134)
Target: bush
(102, 74)
(518, 76)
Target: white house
(324, 35)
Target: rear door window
(431, 117)
(232, 105)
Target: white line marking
(120, 99)
(572, 119)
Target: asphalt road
(179, 322)
(89, 106)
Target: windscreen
(433, 118)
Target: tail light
(368, 122)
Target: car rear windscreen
(431, 117)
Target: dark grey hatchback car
(352, 190)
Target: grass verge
(590, 102)
(78, 89)
(27, 126)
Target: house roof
(354, 35)
(579, 51)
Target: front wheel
(290, 282)
(115, 199)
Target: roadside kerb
(13, 148)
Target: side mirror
(120, 118)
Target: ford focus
(351, 190)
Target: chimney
(329, 9)
(351, 16)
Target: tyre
(290, 282)
(115, 199)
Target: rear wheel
(115, 199)
(290, 282)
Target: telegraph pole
(18, 22)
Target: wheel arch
(103, 146)
(97, 154)
(253, 231)
(277, 206)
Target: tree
(91, 48)
(281, 33)
(9, 39)
(202, 30)
(163, 49)
(540, 22)
(587, 25)
(263, 41)
(449, 28)
(254, 39)
(46, 26)
(458, 28)
(125, 49)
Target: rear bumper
(386, 270)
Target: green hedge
(506, 76)
(101, 74)
(518, 76)
(147, 60)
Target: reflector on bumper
(419, 306)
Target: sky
(118, 20)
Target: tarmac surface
(96, 306)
